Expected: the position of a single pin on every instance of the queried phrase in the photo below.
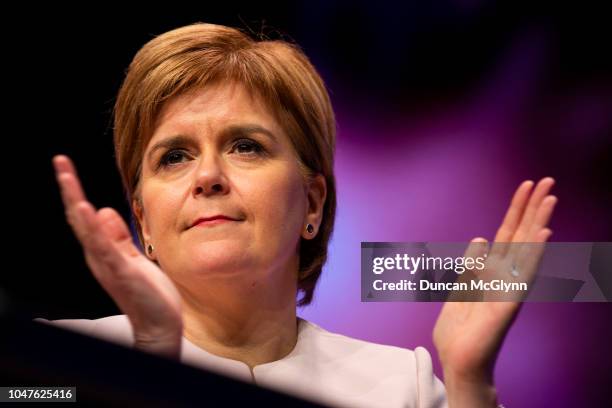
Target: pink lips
(211, 221)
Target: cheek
(160, 211)
(278, 206)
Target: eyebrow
(234, 130)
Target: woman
(225, 147)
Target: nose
(210, 177)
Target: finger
(97, 246)
(63, 164)
(530, 255)
(542, 217)
(540, 192)
(540, 222)
(512, 219)
(514, 213)
(117, 231)
(72, 199)
(70, 190)
(68, 180)
(478, 248)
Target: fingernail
(61, 179)
(56, 158)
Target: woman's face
(220, 151)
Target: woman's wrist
(168, 348)
(164, 342)
(469, 391)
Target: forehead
(216, 104)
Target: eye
(172, 157)
(248, 147)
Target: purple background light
(448, 175)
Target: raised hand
(137, 285)
(468, 335)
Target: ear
(139, 213)
(317, 193)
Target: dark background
(531, 81)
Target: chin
(217, 258)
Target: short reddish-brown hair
(198, 55)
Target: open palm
(468, 335)
(137, 285)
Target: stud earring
(309, 228)
(149, 249)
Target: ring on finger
(514, 271)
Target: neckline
(302, 327)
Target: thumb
(478, 248)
